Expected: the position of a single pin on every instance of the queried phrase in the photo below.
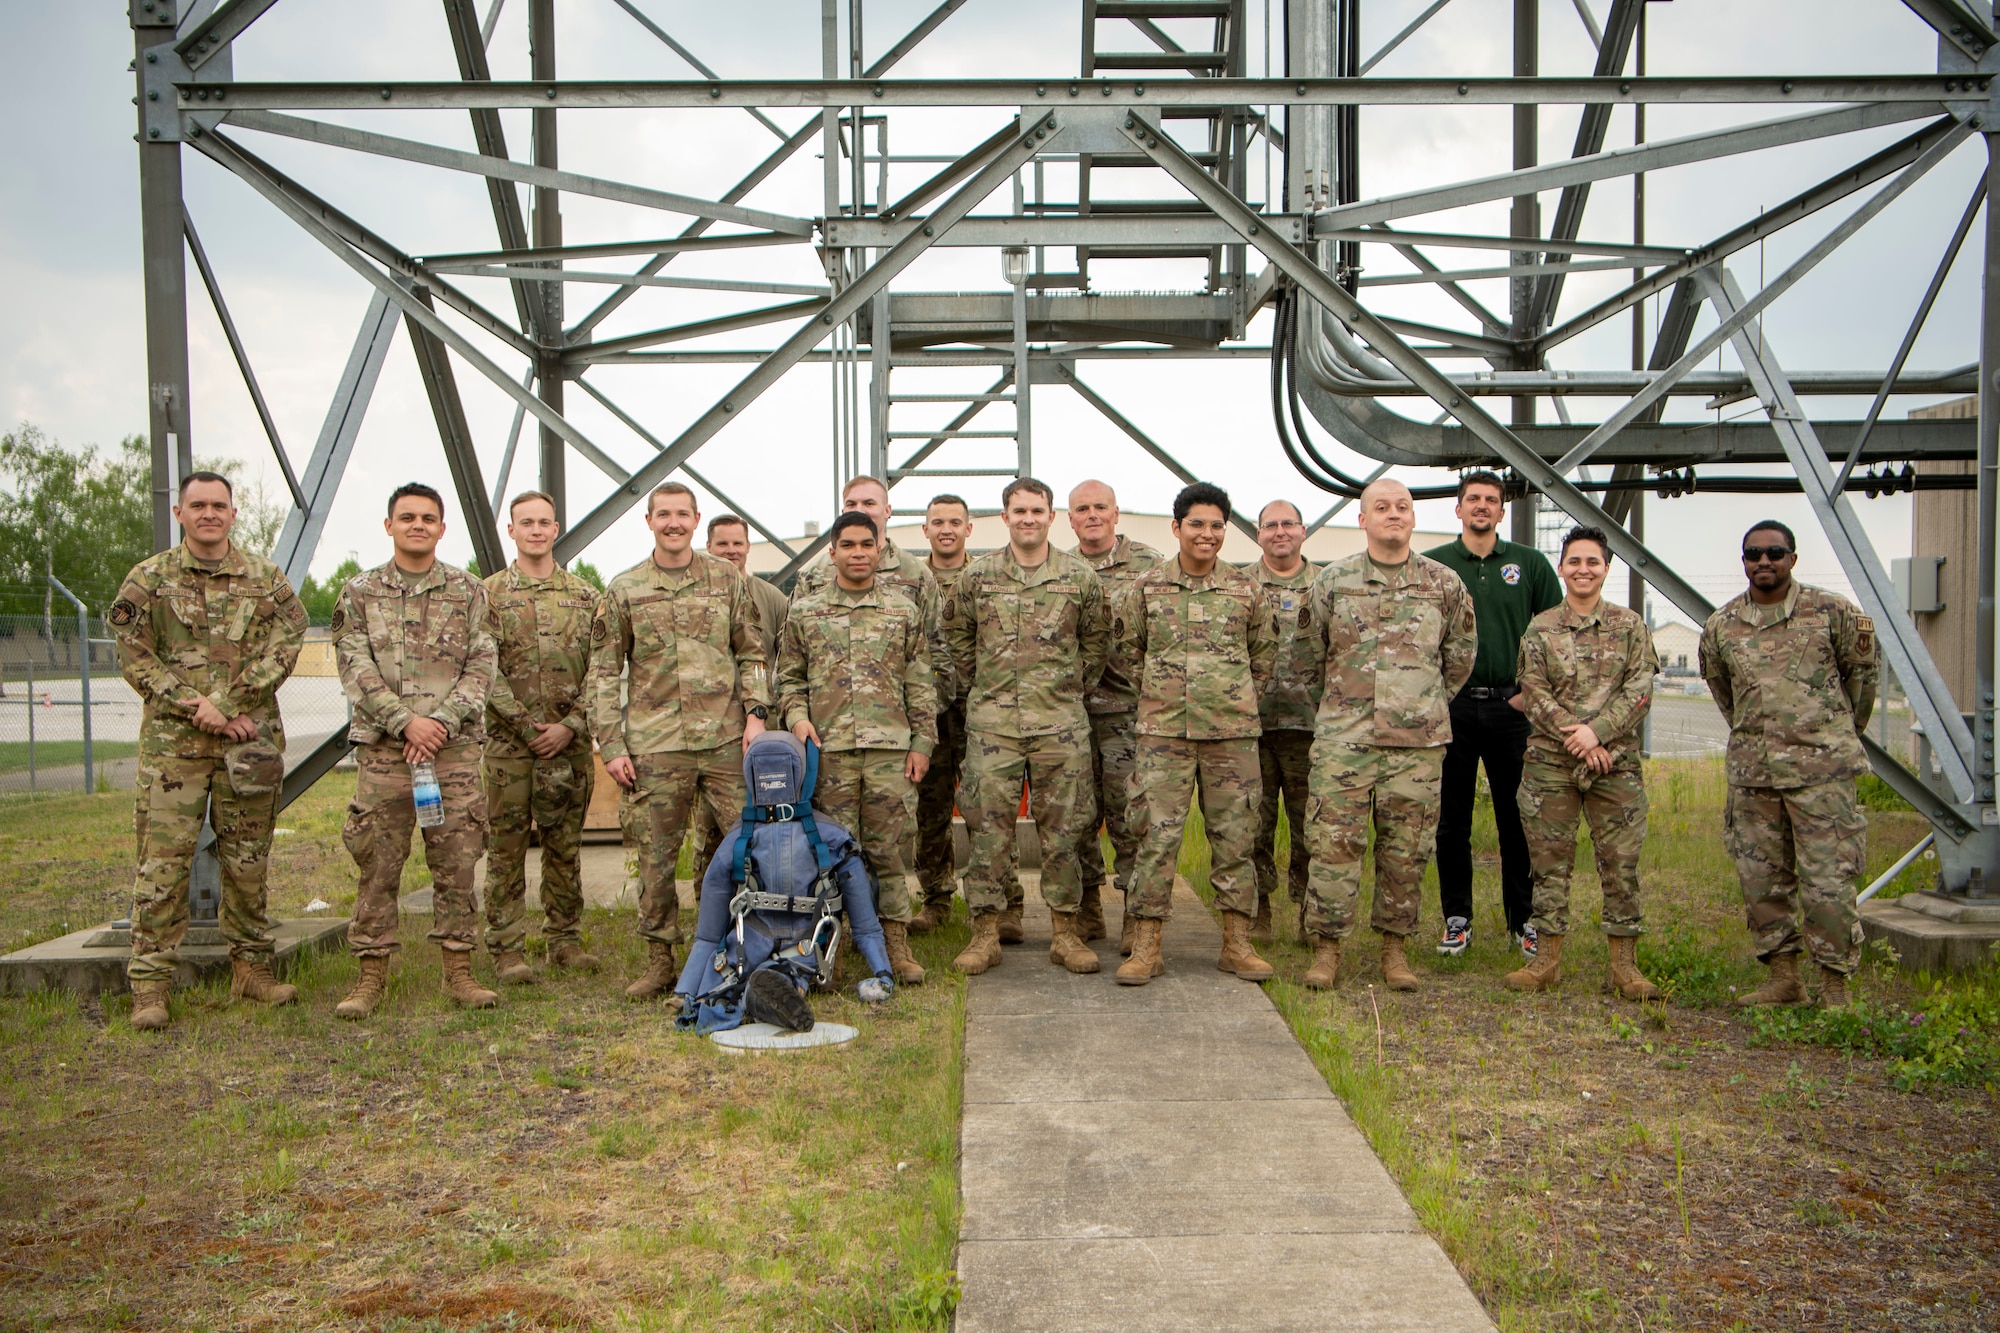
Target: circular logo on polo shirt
(1510, 573)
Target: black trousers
(1495, 733)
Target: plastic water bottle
(424, 789)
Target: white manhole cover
(764, 1037)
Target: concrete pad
(1929, 943)
(92, 962)
(763, 1038)
(1196, 1170)
(1166, 1157)
(1235, 1281)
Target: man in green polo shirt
(1510, 584)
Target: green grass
(568, 1160)
(56, 754)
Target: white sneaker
(1457, 935)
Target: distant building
(1678, 646)
(1944, 526)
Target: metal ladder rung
(953, 435)
(951, 397)
(897, 474)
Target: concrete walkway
(1166, 1158)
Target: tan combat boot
(460, 986)
(367, 991)
(1832, 989)
(571, 954)
(1396, 974)
(1626, 978)
(1010, 926)
(1781, 987)
(248, 980)
(1090, 916)
(1066, 947)
(909, 972)
(934, 914)
(1145, 962)
(1325, 970)
(511, 966)
(149, 1005)
(1545, 971)
(983, 951)
(660, 975)
(1237, 955)
(1128, 931)
(1260, 929)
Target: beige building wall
(1946, 523)
(1337, 539)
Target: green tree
(586, 571)
(318, 598)
(84, 516)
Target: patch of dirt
(505, 1305)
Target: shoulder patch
(339, 621)
(600, 630)
(1118, 627)
(294, 613)
(123, 612)
(1306, 616)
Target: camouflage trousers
(1170, 774)
(869, 794)
(552, 795)
(670, 785)
(1056, 768)
(1400, 789)
(1615, 805)
(937, 797)
(1114, 741)
(380, 820)
(1793, 845)
(174, 794)
(1284, 759)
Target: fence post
(83, 646)
(31, 724)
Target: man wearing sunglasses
(1793, 668)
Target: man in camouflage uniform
(1195, 637)
(948, 527)
(416, 659)
(1395, 635)
(1793, 668)
(1284, 751)
(678, 686)
(854, 677)
(729, 539)
(1586, 671)
(1029, 629)
(538, 767)
(1113, 705)
(206, 633)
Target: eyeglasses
(1752, 554)
(1282, 523)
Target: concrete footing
(1933, 933)
(92, 962)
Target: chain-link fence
(50, 741)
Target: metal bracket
(170, 91)
(1094, 129)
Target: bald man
(1113, 707)
(1379, 736)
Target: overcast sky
(72, 353)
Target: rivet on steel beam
(729, 407)
(827, 318)
(552, 94)
(385, 94)
(1464, 88)
(929, 230)
(878, 90)
(194, 131)
(1625, 87)
(1107, 87)
(1152, 142)
(1139, 89)
(153, 95)
(218, 94)
(1041, 90)
(1254, 229)
(1785, 87)
(152, 57)
(1074, 90)
(152, 134)
(715, 90)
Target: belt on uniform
(1491, 692)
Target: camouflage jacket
(1797, 683)
(1031, 642)
(1597, 669)
(676, 656)
(1201, 650)
(911, 576)
(857, 665)
(541, 628)
(1292, 696)
(947, 582)
(1119, 568)
(772, 606)
(421, 649)
(1393, 646)
(185, 634)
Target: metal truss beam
(448, 410)
(489, 135)
(1928, 90)
(997, 167)
(528, 273)
(212, 35)
(1964, 26)
(1247, 526)
(1930, 700)
(1092, 229)
(499, 168)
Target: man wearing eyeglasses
(1289, 702)
(1793, 668)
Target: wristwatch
(758, 711)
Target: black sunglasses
(1752, 554)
